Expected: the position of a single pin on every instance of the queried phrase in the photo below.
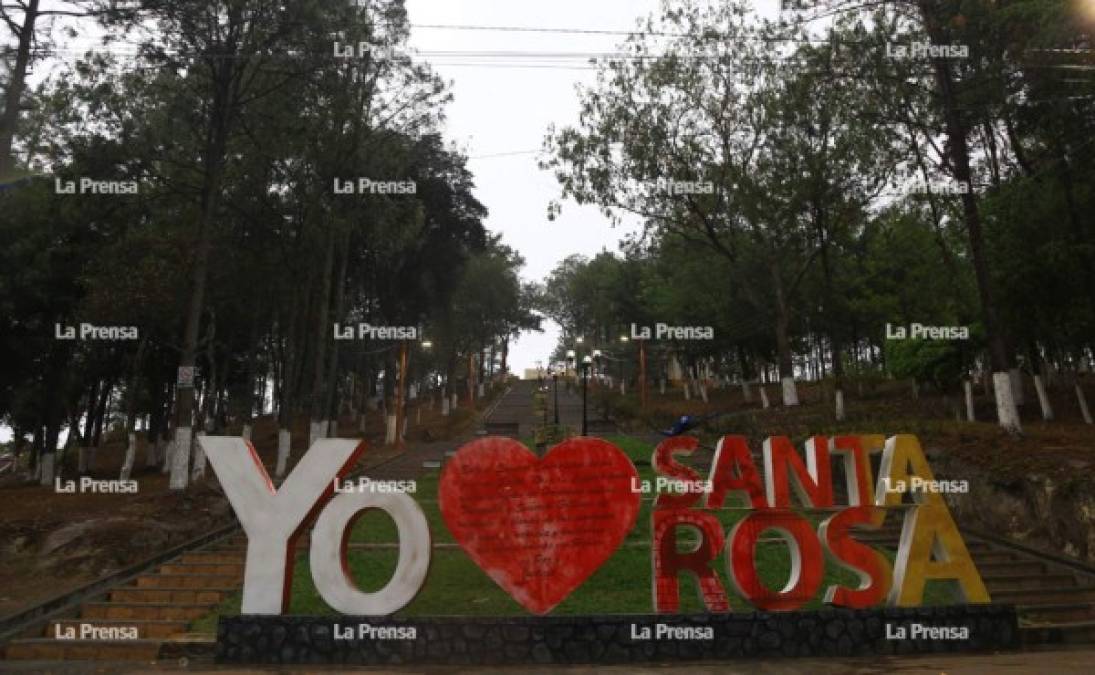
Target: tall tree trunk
(209, 398)
(51, 413)
(958, 144)
(214, 156)
(16, 86)
(783, 338)
(102, 412)
(331, 406)
(323, 333)
(131, 386)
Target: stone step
(1061, 613)
(212, 596)
(225, 569)
(212, 558)
(997, 555)
(1006, 582)
(146, 628)
(45, 649)
(145, 610)
(1000, 567)
(1080, 632)
(215, 581)
(1045, 596)
(235, 549)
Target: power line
(506, 154)
(533, 29)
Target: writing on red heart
(539, 527)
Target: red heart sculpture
(539, 527)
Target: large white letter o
(330, 567)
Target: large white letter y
(274, 518)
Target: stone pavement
(1065, 662)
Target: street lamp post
(586, 363)
(624, 340)
(555, 385)
(599, 379)
(400, 400)
(542, 389)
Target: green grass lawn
(456, 586)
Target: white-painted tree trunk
(703, 391)
(1043, 398)
(389, 435)
(180, 461)
(623, 388)
(45, 468)
(445, 407)
(839, 402)
(915, 389)
(661, 385)
(1017, 395)
(455, 402)
(971, 414)
(316, 431)
(1082, 398)
(481, 390)
(687, 391)
(247, 431)
(198, 471)
(764, 402)
(790, 392)
(1006, 411)
(130, 457)
(746, 392)
(284, 438)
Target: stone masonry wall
(613, 639)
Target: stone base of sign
(614, 638)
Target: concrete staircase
(1056, 601)
(146, 619)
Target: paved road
(1064, 662)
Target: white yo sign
(273, 519)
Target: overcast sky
(499, 108)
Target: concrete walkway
(1035, 663)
